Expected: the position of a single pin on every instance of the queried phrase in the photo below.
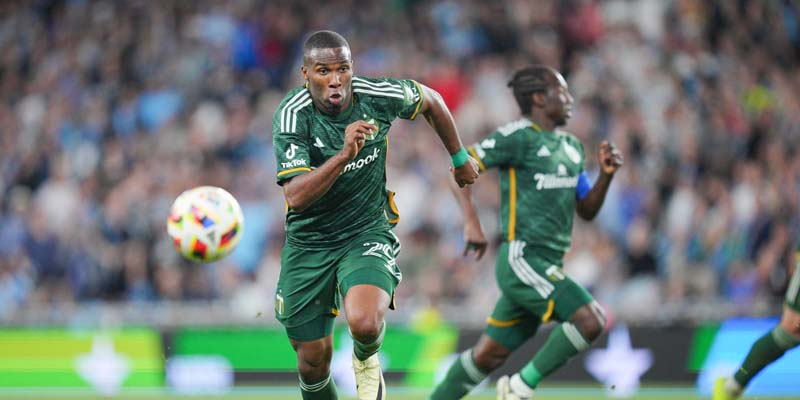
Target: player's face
(559, 101)
(328, 73)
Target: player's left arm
(590, 198)
(441, 120)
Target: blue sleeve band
(584, 186)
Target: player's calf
(564, 342)
(313, 365)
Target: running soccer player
(330, 139)
(542, 183)
(771, 346)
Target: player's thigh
(371, 259)
(305, 300)
(510, 325)
(535, 280)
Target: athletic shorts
(311, 282)
(534, 289)
(793, 291)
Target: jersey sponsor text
(553, 181)
(300, 162)
(354, 165)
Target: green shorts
(793, 291)
(534, 290)
(311, 282)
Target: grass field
(288, 393)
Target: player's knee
(489, 355)
(790, 322)
(592, 329)
(487, 360)
(590, 321)
(313, 366)
(365, 327)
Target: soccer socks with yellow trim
(564, 342)
(765, 350)
(322, 390)
(461, 378)
(364, 351)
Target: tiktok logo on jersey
(300, 162)
(292, 150)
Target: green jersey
(304, 138)
(539, 173)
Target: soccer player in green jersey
(331, 139)
(771, 346)
(542, 183)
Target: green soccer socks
(322, 390)
(564, 342)
(364, 351)
(462, 377)
(765, 350)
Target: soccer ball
(205, 223)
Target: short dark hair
(323, 40)
(527, 81)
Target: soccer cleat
(719, 392)
(369, 378)
(504, 391)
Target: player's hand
(610, 157)
(466, 174)
(355, 135)
(474, 239)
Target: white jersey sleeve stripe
(378, 85)
(384, 94)
(286, 111)
(294, 114)
(377, 88)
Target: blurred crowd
(110, 109)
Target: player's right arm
(496, 150)
(610, 160)
(474, 238)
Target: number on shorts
(380, 250)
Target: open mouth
(335, 98)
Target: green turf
(287, 393)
